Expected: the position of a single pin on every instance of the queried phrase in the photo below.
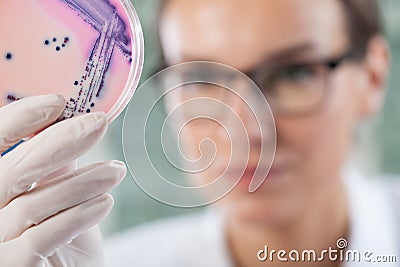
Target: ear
(377, 62)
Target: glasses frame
(326, 66)
(353, 53)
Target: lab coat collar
(373, 225)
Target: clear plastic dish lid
(89, 51)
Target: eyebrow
(285, 54)
(281, 55)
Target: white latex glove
(53, 224)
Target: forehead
(241, 33)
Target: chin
(261, 207)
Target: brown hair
(363, 21)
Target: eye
(294, 73)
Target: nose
(256, 117)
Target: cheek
(320, 143)
(196, 142)
(208, 145)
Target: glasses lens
(295, 88)
(205, 96)
(198, 103)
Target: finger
(63, 192)
(66, 169)
(84, 250)
(42, 241)
(28, 116)
(47, 152)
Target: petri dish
(89, 51)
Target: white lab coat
(198, 240)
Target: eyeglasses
(291, 89)
(300, 88)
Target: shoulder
(168, 242)
(388, 187)
(381, 198)
(391, 184)
(382, 185)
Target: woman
(310, 200)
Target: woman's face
(311, 149)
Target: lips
(276, 170)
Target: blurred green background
(379, 142)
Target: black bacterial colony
(103, 18)
(57, 47)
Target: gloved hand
(53, 222)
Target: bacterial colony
(104, 18)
